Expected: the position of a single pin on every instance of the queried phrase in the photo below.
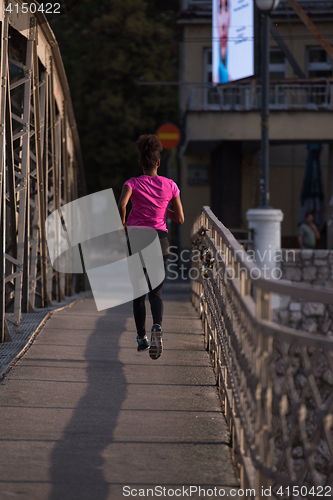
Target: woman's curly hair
(149, 147)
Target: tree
(108, 47)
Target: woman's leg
(156, 303)
(139, 311)
(155, 296)
(139, 308)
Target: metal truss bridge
(41, 167)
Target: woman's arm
(177, 214)
(123, 200)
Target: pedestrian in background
(308, 233)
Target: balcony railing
(310, 96)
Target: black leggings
(154, 296)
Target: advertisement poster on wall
(233, 40)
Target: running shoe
(156, 346)
(143, 343)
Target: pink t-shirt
(150, 199)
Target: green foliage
(108, 46)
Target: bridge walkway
(84, 414)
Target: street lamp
(266, 6)
(264, 220)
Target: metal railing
(277, 426)
(207, 97)
(41, 167)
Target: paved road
(83, 414)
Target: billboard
(233, 40)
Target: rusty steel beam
(312, 27)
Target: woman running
(150, 195)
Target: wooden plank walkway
(85, 416)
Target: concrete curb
(29, 341)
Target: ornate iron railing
(41, 167)
(275, 382)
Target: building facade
(220, 152)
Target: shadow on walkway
(84, 414)
(77, 463)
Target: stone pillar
(266, 223)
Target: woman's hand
(123, 200)
(123, 231)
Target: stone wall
(309, 266)
(316, 268)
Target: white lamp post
(265, 6)
(265, 221)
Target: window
(220, 96)
(318, 63)
(277, 64)
(208, 66)
(212, 96)
(278, 70)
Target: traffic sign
(169, 135)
